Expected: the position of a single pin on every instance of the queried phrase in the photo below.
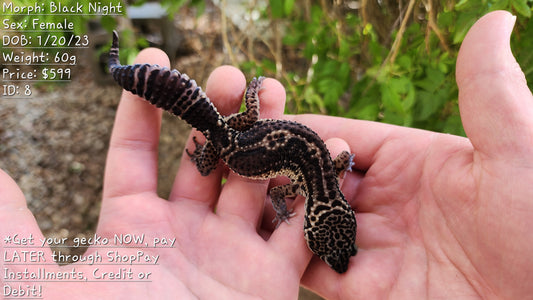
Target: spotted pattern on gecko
(257, 148)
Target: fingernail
(512, 20)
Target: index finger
(131, 166)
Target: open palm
(442, 216)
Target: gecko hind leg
(343, 163)
(246, 119)
(277, 195)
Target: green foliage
(173, 6)
(356, 62)
(348, 69)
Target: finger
(225, 88)
(272, 99)
(244, 197)
(131, 166)
(289, 239)
(14, 213)
(18, 223)
(349, 180)
(16, 218)
(365, 139)
(495, 103)
(336, 146)
(11, 197)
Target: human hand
(422, 229)
(222, 255)
(441, 216)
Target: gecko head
(339, 259)
(332, 238)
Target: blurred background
(385, 61)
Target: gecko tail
(113, 53)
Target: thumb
(16, 218)
(495, 103)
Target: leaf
(391, 99)
(365, 101)
(276, 8)
(367, 29)
(445, 19)
(312, 98)
(463, 5)
(500, 5)
(268, 65)
(453, 125)
(427, 105)
(398, 94)
(405, 62)
(393, 117)
(367, 112)
(432, 80)
(288, 6)
(109, 23)
(463, 24)
(521, 7)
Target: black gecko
(257, 148)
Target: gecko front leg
(204, 156)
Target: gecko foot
(351, 163)
(343, 163)
(197, 150)
(283, 217)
